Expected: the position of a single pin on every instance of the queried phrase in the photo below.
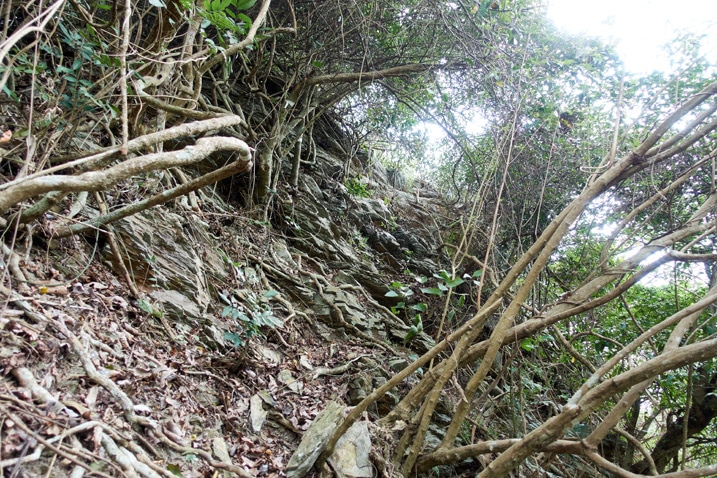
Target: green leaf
(442, 275)
(145, 306)
(174, 469)
(158, 3)
(451, 315)
(412, 332)
(582, 430)
(392, 293)
(432, 290)
(244, 4)
(454, 282)
(11, 94)
(234, 338)
(191, 458)
(421, 307)
(270, 294)
(244, 19)
(268, 319)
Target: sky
(638, 27)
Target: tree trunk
(702, 411)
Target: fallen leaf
(78, 407)
(139, 408)
(91, 397)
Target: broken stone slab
(368, 210)
(283, 255)
(382, 241)
(219, 448)
(257, 414)
(346, 302)
(309, 185)
(270, 355)
(176, 304)
(359, 388)
(411, 241)
(397, 364)
(421, 342)
(351, 455)
(171, 252)
(422, 266)
(288, 379)
(314, 440)
(317, 248)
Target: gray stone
(257, 414)
(176, 304)
(219, 447)
(271, 355)
(397, 364)
(166, 251)
(347, 303)
(288, 379)
(359, 388)
(283, 255)
(314, 440)
(411, 241)
(383, 241)
(309, 185)
(351, 455)
(421, 343)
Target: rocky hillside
(192, 340)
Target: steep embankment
(242, 333)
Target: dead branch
(240, 165)
(97, 180)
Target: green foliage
(357, 187)
(226, 17)
(445, 282)
(174, 469)
(250, 316)
(415, 329)
(148, 308)
(404, 291)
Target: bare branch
(96, 180)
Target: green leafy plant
(226, 17)
(445, 282)
(253, 313)
(151, 310)
(399, 289)
(414, 330)
(357, 188)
